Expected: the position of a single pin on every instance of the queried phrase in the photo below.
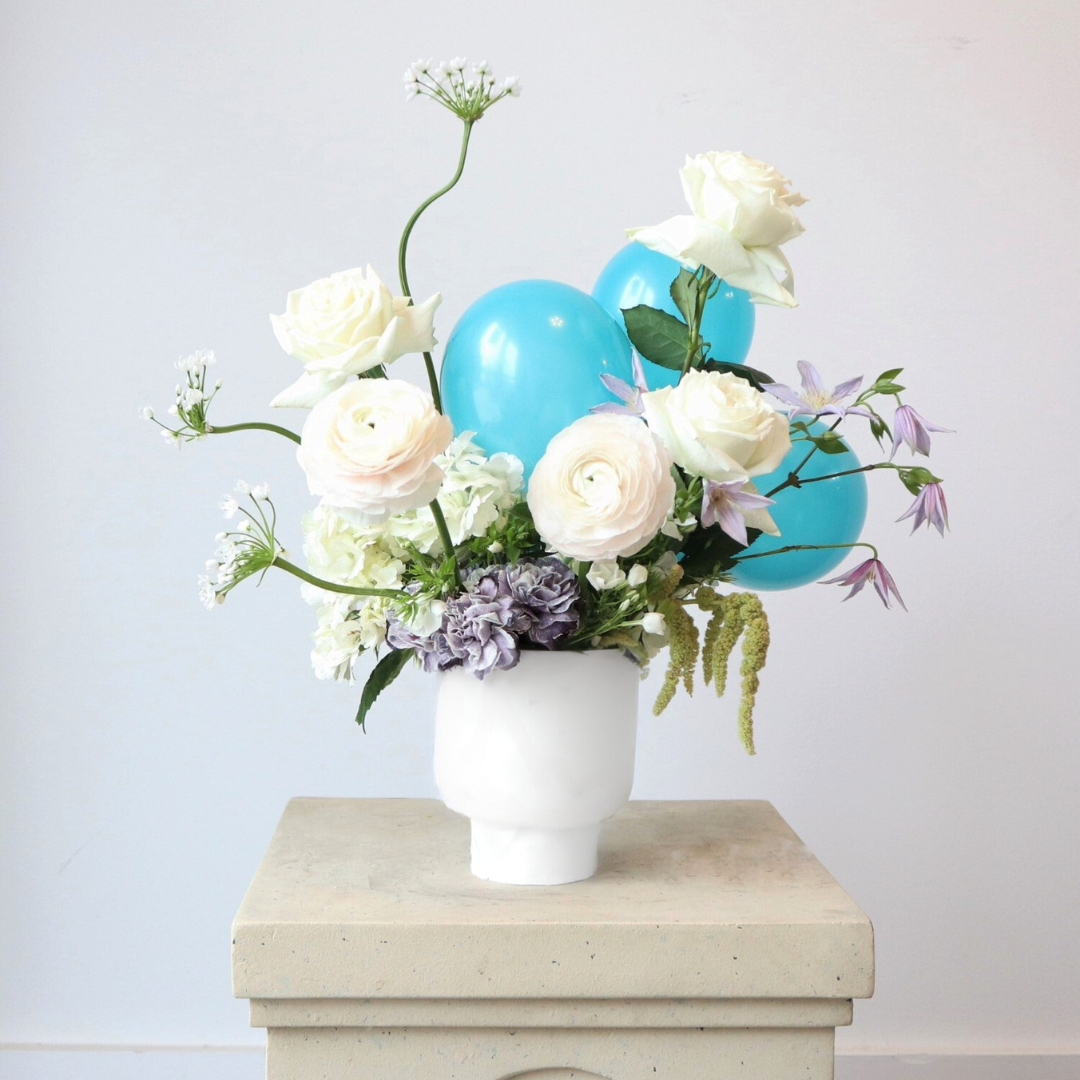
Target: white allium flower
(458, 63)
(244, 526)
(229, 506)
(174, 410)
(146, 413)
(204, 358)
(243, 487)
(512, 85)
(192, 395)
(212, 566)
(207, 594)
(261, 492)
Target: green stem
(331, 586)
(846, 472)
(403, 246)
(255, 425)
(804, 547)
(798, 468)
(444, 536)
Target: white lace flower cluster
(246, 549)
(193, 398)
(467, 96)
(477, 492)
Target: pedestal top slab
(372, 898)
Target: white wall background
(171, 170)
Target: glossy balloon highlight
(639, 275)
(525, 360)
(829, 512)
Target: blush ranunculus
(603, 488)
(370, 447)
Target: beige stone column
(710, 944)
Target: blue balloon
(525, 361)
(830, 512)
(639, 275)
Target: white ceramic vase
(537, 757)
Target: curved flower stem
(798, 468)
(331, 586)
(444, 536)
(804, 547)
(255, 425)
(403, 246)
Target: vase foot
(518, 856)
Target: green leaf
(757, 379)
(830, 443)
(916, 478)
(684, 291)
(658, 336)
(376, 372)
(382, 675)
(707, 553)
(888, 376)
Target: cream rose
(344, 324)
(718, 426)
(370, 447)
(602, 489)
(742, 213)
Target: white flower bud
(637, 576)
(244, 526)
(174, 410)
(495, 548)
(261, 492)
(653, 623)
(512, 85)
(146, 412)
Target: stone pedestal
(710, 945)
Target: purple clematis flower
(911, 428)
(872, 570)
(816, 399)
(630, 396)
(930, 508)
(727, 503)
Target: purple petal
(639, 372)
(733, 523)
(846, 388)
(751, 500)
(860, 571)
(785, 394)
(890, 585)
(619, 387)
(811, 380)
(615, 407)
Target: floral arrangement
(426, 546)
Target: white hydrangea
(347, 627)
(348, 554)
(476, 492)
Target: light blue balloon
(525, 361)
(639, 275)
(830, 512)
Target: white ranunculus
(343, 325)
(742, 211)
(370, 447)
(718, 426)
(602, 489)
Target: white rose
(370, 447)
(602, 489)
(718, 426)
(742, 213)
(344, 324)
